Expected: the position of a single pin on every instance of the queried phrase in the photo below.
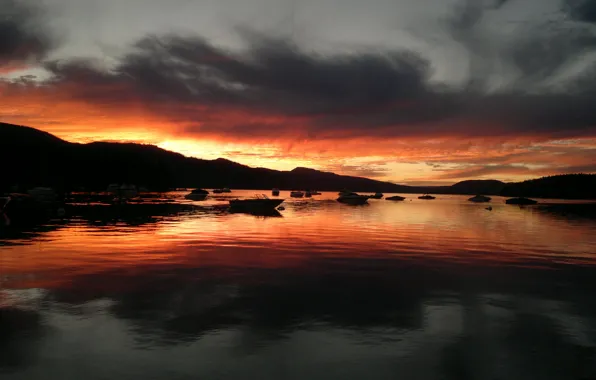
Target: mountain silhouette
(568, 186)
(36, 158)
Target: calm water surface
(439, 289)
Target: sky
(408, 91)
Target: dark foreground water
(439, 289)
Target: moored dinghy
(197, 195)
(480, 199)
(258, 203)
(395, 198)
(275, 192)
(426, 196)
(353, 198)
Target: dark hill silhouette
(491, 187)
(35, 158)
(566, 186)
(39, 159)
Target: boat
(480, 199)
(307, 194)
(377, 196)
(296, 194)
(217, 191)
(222, 190)
(353, 199)
(275, 192)
(264, 213)
(426, 196)
(197, 195)
(258, 203)
(520, 201)
(395, 198)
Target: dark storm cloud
(372, 93)
(280, 89)
(581, 10)
(544, 51)
(23, 37)
(272, 75)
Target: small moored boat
(353, 199)
(395, 198)
(197, 195)
(297, 194)
(275, 192)
(258, 203)
(377, 196)
(426, 196)
(480, 199)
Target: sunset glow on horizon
(389, 110)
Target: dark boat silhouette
(426, 196)
(197, 195)
(395, 198)
(352, 198)
(260, 213)
(480, 199)
(258, 203)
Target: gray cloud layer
(23, 38)
(582, 10)
(363, 93)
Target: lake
(440, 289)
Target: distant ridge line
(37, 158)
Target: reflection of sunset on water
(447, 230)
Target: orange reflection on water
(448, 230)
